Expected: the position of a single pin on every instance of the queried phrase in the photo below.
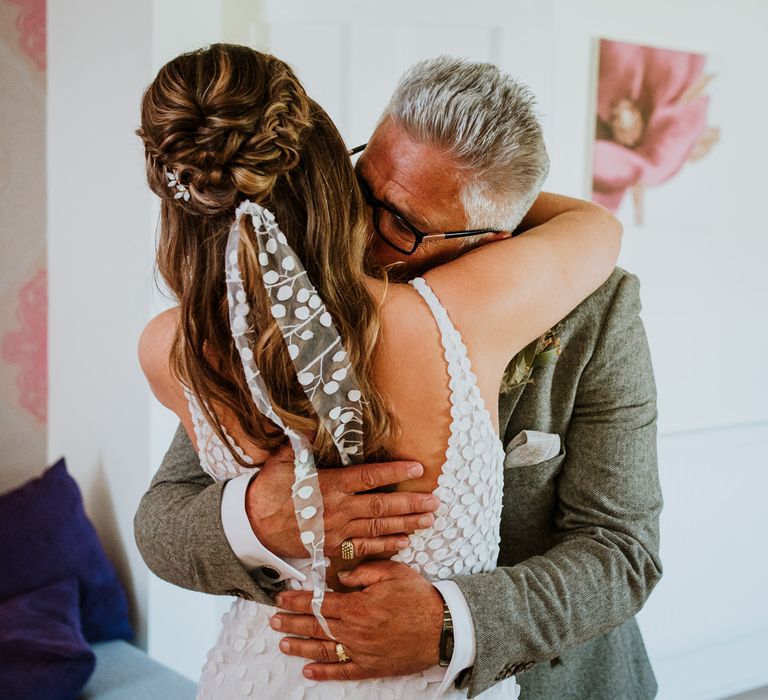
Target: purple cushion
(45, 536)
(43, 651)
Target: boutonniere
(542, 351)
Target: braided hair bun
(225, 139)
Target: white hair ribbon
(322, 366)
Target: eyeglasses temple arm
(462, 234)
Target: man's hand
(390, 628)
(375, 522)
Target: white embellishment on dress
(464, 538)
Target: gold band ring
(347, 549)
(343, 658)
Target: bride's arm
(153, 352)
(547, 206)
(526, 284)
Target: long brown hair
(235, 123)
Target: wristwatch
(446, 637)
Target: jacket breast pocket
(530, 471)
(531, 447)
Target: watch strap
(446, 637)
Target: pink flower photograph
(652, 122)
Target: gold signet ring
(347, 550)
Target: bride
(264, 228)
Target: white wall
(704, 290)
(99, 265)
(704, 293)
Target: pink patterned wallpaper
(27, 346)
(23, 274)
(30, 25)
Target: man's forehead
(393, 189)
(412, 177)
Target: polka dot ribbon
(322, 367)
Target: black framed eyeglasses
(395, 230)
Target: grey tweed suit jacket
(579, 532)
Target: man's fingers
(377, 527)
(309, 649)
(370, 476)
(379, 505)
(366, 546)
(369, 572)
(301, 602)
(301, 625)
(349, 671)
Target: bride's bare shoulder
(406, 322)
(154, 350)
(399, 303)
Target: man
(579, 531)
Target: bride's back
(411, 373)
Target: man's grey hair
(484, 121)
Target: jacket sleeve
(179, 532)
(605, 562)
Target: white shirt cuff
(463, 636)
(253, 555)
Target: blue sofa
(124, 672)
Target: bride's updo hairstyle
(233, 123)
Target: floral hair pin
(174, 181)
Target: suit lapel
(507, 404)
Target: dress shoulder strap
(455, 351)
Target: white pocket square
(531, 447)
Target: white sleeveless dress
(464, 539)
